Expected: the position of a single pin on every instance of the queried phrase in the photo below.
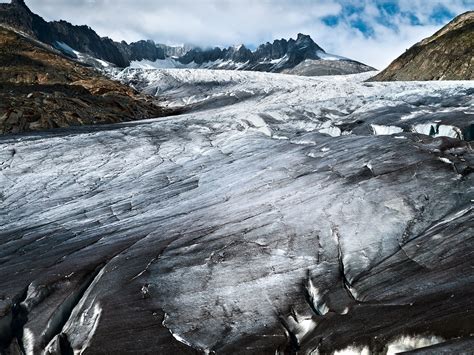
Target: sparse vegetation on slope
(447, 55)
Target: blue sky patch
(331, 21)
(441, 14)
(363, 27)
(353, 13)
(388, 8)
(412, 18)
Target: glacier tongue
(208, 227)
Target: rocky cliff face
(447, 55)
(42, 89)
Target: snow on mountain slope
(329, 56)
(168, 63)
(238, 227)
(82, 57)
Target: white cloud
(227, 22)
(203, 22)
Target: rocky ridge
(42, 89)
(447, 55)
(301, 56)
(261, 59)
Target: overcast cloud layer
(373, 32)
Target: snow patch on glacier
(353, 350)
(380, 130)
(407, 343)
(316, 298)
(437, 130)
(28, 341)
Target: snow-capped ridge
(279, 56)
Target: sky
(374, 32)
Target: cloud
(374, 32)
(202, 22)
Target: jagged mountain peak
(18, 3)
(301, 37)
(238, 47)
(305, 44)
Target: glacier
(276, 214)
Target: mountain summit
(446, 55)
(18, 3)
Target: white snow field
(275, 214)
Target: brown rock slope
(447, 55)
(40, 89)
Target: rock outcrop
(447, 55)
(42, 89)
